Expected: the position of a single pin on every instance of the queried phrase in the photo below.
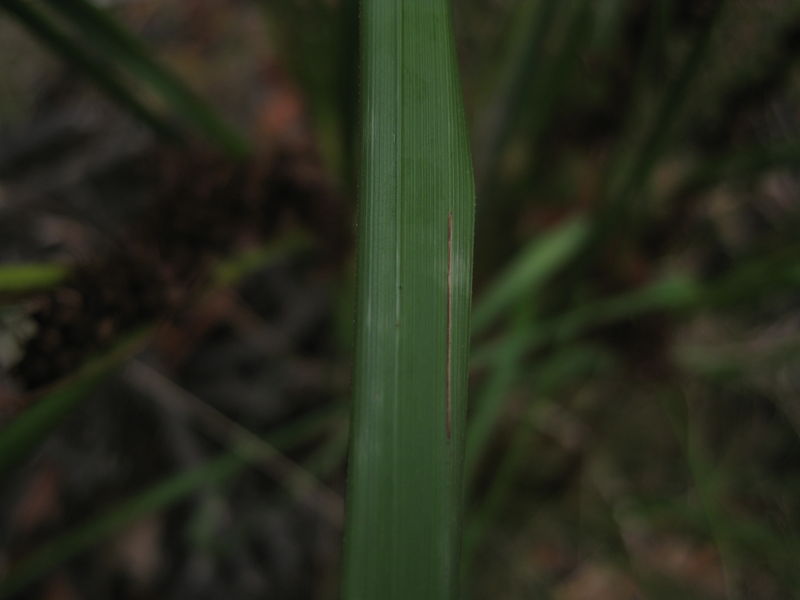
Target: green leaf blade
(104, 76)
(535, 264)
(415, 252)
(113, 39)
(23, 278)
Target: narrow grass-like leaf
(759, 278)
(525, 52)
(543, 88)
(563, 367)
(88, 534)
(158, 497)
(730, 363)
(415, 259)
(508, 370)
(42, 27)
(348, 76)
(752, 538)
(112, 39)
(740, 166)
(317, 42)
(502, 481)
(764, 275)
(30, 277)
(561, 69)
(224, 429)
(708, 487)
(560, 369)
(673, 291)
(24, 433)
(638, 96)
(534, 264)
(669, 111)
(235, 268)
(487, 404)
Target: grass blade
(526, 50)
(88, 534)
(668, 113)
(747, 283)
(23, 434)
(317, 43)
(42, 27)
(348, 74)
(672, 291)
(564, 367)
(529, 271)
(488, 403)
(30, 277)
(412, 334)
(227, 431)
(740, 166)
(163, 494)
(560, 69)
(113, 40)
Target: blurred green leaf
(521, 64)
(739, 165)
(559, 71)
(534, 265)
(763, 275)
(30, 277)
(114, 41)
(163, 494)
(235, 268)
(100, 71)
(726, 362)
(625, 199)
(566, 366)
(25, 432)
(673, 291)
(319, 42)
(486, 405)
(20, 437)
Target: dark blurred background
(177, 214)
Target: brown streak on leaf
(448, 382)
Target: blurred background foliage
(176, 287)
